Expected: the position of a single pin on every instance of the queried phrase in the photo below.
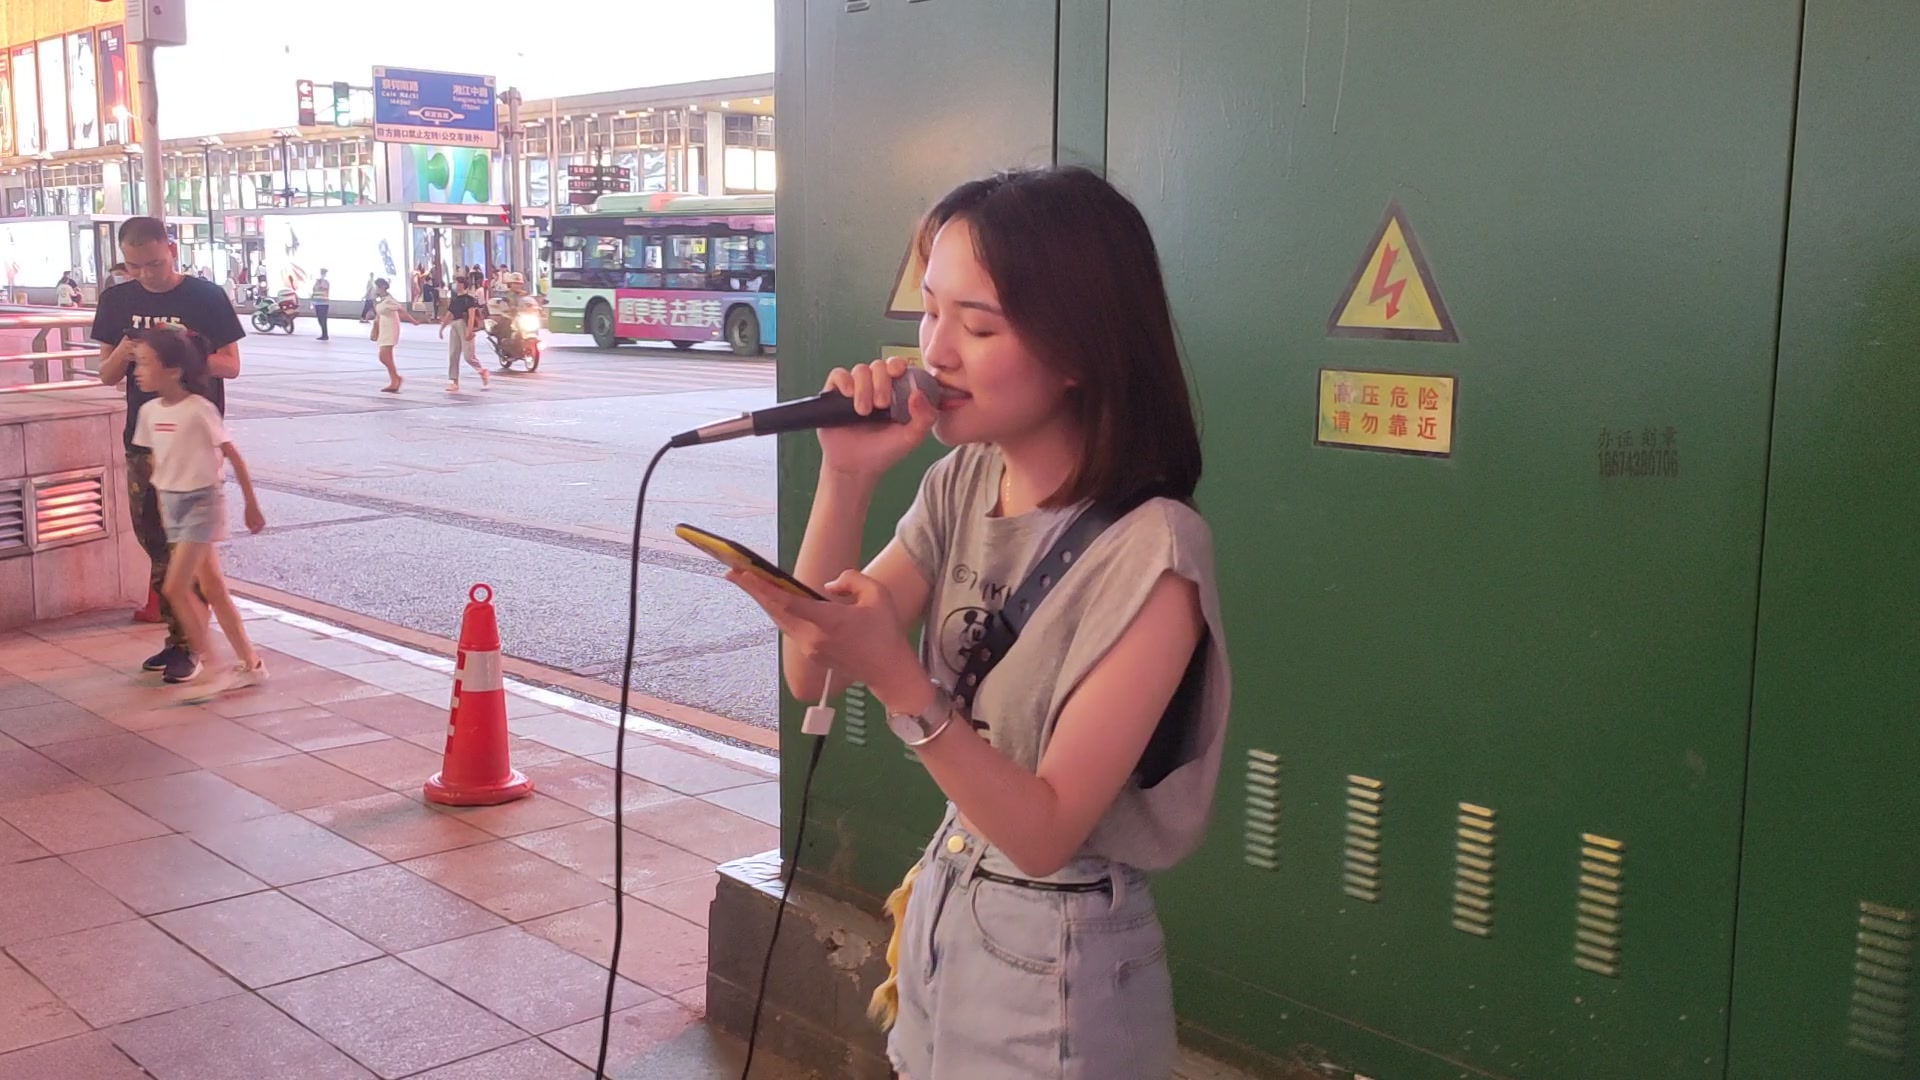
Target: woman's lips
(952, 398)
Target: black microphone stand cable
(619, 805)
(620, 763)
(786, 890)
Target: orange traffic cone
(150, 613)
(475, 770)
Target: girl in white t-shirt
(387, 313)
(190, 449)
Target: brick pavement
(253, 887)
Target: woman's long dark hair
(184, 351)
(1079, 278)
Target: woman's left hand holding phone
(855, 632)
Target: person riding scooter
(513, 318)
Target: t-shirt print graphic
(962, 632)
(964, 628)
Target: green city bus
(666, 267)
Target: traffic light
(342, 105)
(303, 94)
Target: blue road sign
(435, 107)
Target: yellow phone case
(741, 557)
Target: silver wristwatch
(919, 729)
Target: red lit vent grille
(13, 518)
(69, 508)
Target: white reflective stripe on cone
(480, 672)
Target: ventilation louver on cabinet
(1260, 844)
(1882, 981)
(13, 517)
(69, 508)
(1473, 871)
(1596, 940)
(853, 709)
(1360, 876)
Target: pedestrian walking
(183, 430)
(387, 313)
(67, 293)
(158, 293)
(463, 318)
(322, 296)
(366, 304)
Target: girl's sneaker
(245, 675)
(242, 675)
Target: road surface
(393, 505)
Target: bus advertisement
(666, 267)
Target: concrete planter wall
(66, 544)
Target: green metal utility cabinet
(1560, 368)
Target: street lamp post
(131, 154)
(40, 187)
(285, 135)
(154, 171)
(514, 231)
(207, 143)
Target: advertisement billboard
(447, 175)
(348, 246)
(114, 94)
(33, 254)
(53, 96)
(26, 102)
(83, 85)
(435, 107)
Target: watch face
(907, 726)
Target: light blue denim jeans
(1006, 981)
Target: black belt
(1045, 886)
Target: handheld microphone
(830, 408)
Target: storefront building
(289, 201)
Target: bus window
(643, 262)
(603, 252)
(733, 253)
(688, 255)
(742, 263)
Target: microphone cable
(619, 803)
(620, 763)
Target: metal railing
(60, 345)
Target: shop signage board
(437, 108)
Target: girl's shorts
(194, 517)
(1000, 980)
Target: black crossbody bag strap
(1003, 627)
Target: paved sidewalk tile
(255, 886)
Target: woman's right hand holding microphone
(866, 451)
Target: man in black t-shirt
(159, 293)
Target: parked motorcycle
(269, 313)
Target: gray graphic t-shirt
(975, 561)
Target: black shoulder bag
(1003, 629)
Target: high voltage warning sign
(1392, 293)
(905, 301)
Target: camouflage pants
(143, 506)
